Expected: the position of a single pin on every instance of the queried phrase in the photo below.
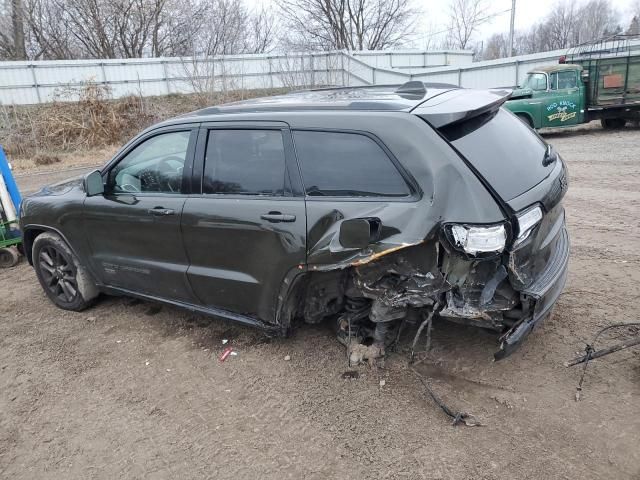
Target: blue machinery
(10, 239)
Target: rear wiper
(550, 156)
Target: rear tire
(9, 257)
(613, 123)
(67, 283)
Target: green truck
(597, 81)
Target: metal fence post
(104, 74)
(326, 64)
(35, 82)
(166, 76)
(313, 71)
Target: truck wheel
(613, 123)
(9, 257)
(66, 282)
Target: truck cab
(551, 96)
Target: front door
(134, 228)
(246, 231)
(563, 103)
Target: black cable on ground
(457, 416)
(589, 349)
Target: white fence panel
(37, 82)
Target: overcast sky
(528, 12)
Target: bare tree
(567, 24)
(497, 46)
(596, 19)
(261, 35)
(465, 17)
(347, 24)
(634, 26)
(17, 20)
(12, 36)
(63, 29)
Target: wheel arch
(525, 117)
(31, 232)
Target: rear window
(503, 149)
(346, 165)
(244, 162)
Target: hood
(60, 188)
(521, 93)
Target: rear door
(134, 227)
(348, 175)
(245, 229)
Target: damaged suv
(369, 207)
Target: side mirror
(584, 74)
(360, 232)
(93, 184)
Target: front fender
(526, 109)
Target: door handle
(277, 217)
(161, 211)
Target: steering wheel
(129, 188)
(164, 166)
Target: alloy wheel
(58, 274)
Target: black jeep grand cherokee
(372, 206)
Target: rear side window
(346, 165)
(244, 162)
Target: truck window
(564, 80)
(346, 165)
(535, 81)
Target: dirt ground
(128, 390)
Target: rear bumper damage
(509, 293)
(544, 292)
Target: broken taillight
(527, 221)
(474, 239)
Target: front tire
(613, 123)
(65, 281)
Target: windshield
(535, 81)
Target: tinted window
(246, 162)
(346, 164)
(504, 150)
(155, 165)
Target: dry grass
(93, 121)
(44, 159)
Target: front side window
(244, 162)
(155, 165)
(346, 165)
(535, 81)
(567, 79)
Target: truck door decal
(563, 110)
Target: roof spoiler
(457, 106)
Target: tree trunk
(17, 19)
